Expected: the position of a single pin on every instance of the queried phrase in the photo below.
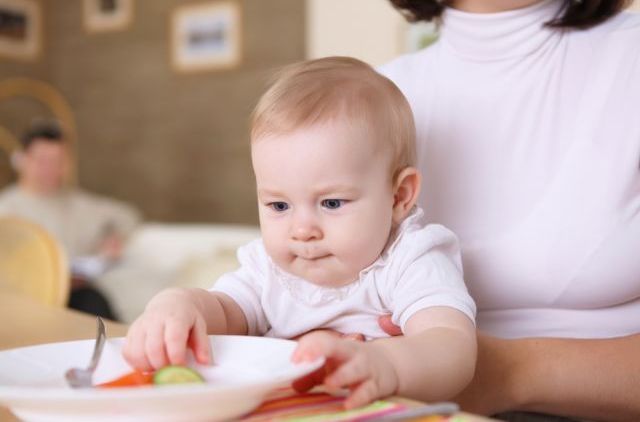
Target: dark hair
(42, 131)
(575, 14)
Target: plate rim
(44, 394)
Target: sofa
(158, 256)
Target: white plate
(247, 368)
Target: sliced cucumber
(176, 374)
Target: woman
(528, 121)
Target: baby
(333, 151)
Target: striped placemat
(288, 405)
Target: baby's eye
(332, 204)
(279, 206)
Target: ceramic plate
(246, 369)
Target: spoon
(82, 378)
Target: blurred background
(172, 140)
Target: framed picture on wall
(107, 15)
(20, 29)
(206, 36)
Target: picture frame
(20, 29)
(107, 15)
(206, 36)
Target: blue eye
(332, 204)
(279, 206)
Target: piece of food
(132, 379)
(172, 374)
(176, 374)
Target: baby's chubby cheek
(282, 256)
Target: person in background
(528, 130)
(91, 228)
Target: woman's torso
(529, 143)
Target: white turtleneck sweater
(529, 143)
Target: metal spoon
(82, 378)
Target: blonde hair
(317, 91)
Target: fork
(82, 378)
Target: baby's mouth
(313, 258)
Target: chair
(32, 262)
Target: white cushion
(159, 255)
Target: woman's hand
(388, 326)
(361, 367)
(170, 324)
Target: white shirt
(419, 268)
(529, 143)
(79, 220)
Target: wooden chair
(32, 262)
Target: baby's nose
(306, 233)
(305, 228)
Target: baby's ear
(405, 193)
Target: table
(35, 323)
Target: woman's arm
(592, 379)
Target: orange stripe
(298, 401)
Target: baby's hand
(170, 324)
(361, 367)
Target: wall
(14, 114)
(176, 145)
(372, 31)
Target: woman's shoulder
(622, 29)
(609, 47)
(408, 62)
(403, 70)
(625, 22)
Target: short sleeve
(246, 285)
(428, 274)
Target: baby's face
(325, 201)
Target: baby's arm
(434, 361)
(436, 358)
(177, 319)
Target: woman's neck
(491, 6)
